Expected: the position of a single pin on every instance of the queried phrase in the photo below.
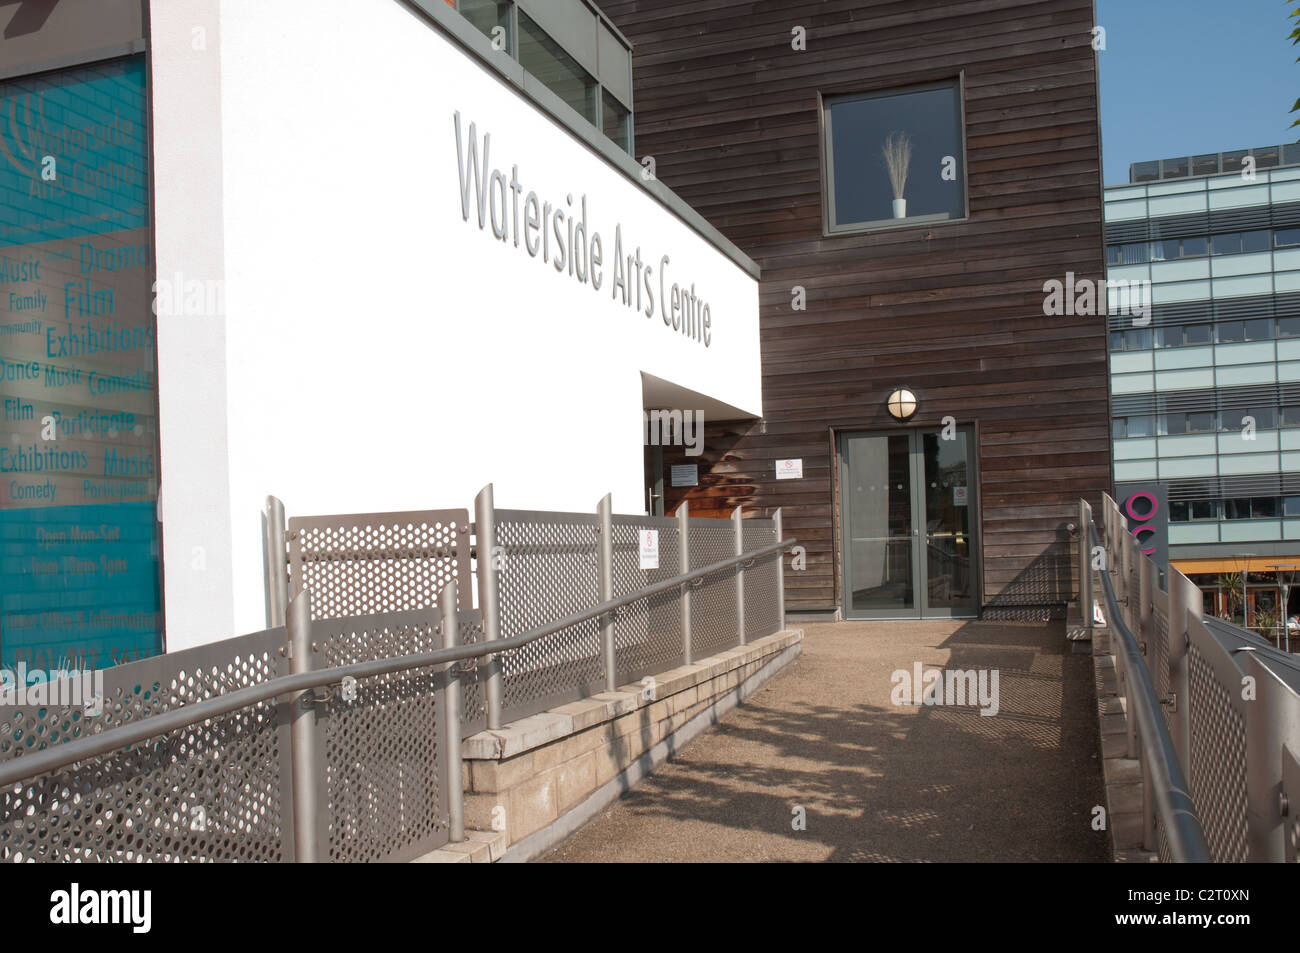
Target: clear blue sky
(1194, 76)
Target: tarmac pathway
(876, 781)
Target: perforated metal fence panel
(370, 563)
(648, 633)
(1159, 652)
(761, 581)
(383, 743)
(1217, 773)
(547, 569)
(373, 563)
(216, 791)
(713, 600)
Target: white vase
(900, 208)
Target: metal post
(276, 562)
(605, 552)
(302, 734)
(485, 532)
(780, 572)
(1085, 566)
(1125, 570)
(684, 565)
(738, 522)
(451, 709)
(1146, 620)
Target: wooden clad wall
(729, 111)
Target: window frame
(938, 81)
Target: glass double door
(908, 517)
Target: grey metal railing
(1212, 710)
(247, 757)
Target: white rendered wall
(381, 353)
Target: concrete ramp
(825, 746)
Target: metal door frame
(921, 608)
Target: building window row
(520, 36)
(1202, 246)
(1192, 335)
(1205, 421)
(1252, 508)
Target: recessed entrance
(907, 515)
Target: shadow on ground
(876, 781)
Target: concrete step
(478, 847)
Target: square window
(1263, 507)
(1260, 240)
(883, 153)
(1168, 250)
(1174, 168)
(488, 15)
(1113, 255)
(1118, 429)
(1286, 237)
(1229, 244)
(1169, 337)
(1199, 334)
(1117, 340)
(1180, 512)
(1291, 506)
(1230, 332)
(1173, 424)
(1139, 339)
(1259, 329)
(1236, 509)
(556, 69)
(1205, 509)
(1141, 426)
(1206, 165)
(1288, 327)
(1265, 418)
(1267, 158)
(1145, 171)
(1232, 161)
(1200, 422)
(1290, 416)
(1135, 253)
(616, 121)
(1196, 247)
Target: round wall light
(901, 404)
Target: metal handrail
(27, 766)
(1171, 791)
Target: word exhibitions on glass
(559, 233)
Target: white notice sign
(959, 496)
(686, 474)
(789, 469)
(649, 548)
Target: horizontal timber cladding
(729, 111)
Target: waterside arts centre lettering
(559, 233)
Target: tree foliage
(1295, 39)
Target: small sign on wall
(649, 549)
(789, 469)
(959, 496)
(686, 474)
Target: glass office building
(1205, 383)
